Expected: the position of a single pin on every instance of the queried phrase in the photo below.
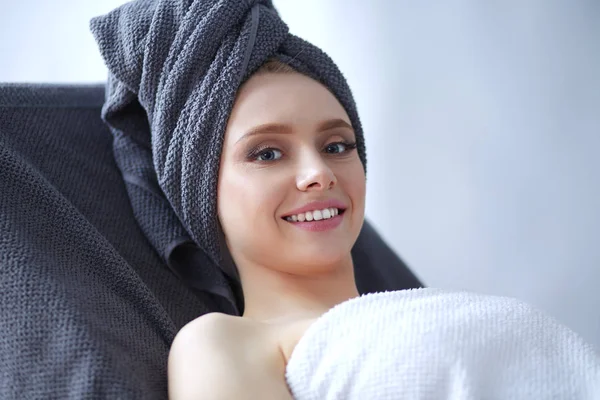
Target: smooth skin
(288, 142)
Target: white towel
(435, 344)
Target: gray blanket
(87, 308)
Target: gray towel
(174, 69)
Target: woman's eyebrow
(269, 128)
(266, 128)
(332, 124)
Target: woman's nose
(315, 175)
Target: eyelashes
(267, 153)
(255, 152)
(347, 147)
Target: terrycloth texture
(175, 68)
(430, 344)
(88, 309)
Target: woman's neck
(274, 296)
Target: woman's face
(291, 192)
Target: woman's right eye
(268, 155)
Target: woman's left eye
(335, 148)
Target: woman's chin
(323, 261)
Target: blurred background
(482, 122)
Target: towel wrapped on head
(175, 67)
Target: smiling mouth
(315, 215)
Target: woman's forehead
(286, 99)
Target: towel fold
(175, 67)
(433, 344)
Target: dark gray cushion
(88, 308)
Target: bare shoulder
(218, 356)
(213, 329)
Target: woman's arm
(219, 357)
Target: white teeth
(316, 215)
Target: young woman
(291, 203)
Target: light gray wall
(482, 123)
